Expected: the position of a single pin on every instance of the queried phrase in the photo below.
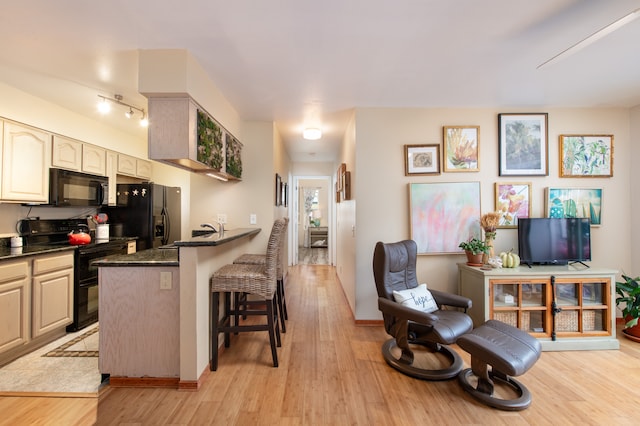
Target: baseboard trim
(144, 382)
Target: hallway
(313, 256)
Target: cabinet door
(26, 154)
(94, 160)
(584, 306)
(66, 153)
(521, 303)
(143, 169)
(14, 304)
(127, 165)
(52, 301)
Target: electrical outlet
(165, 280)
(253, 219)
(222, 218)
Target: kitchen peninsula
(154, 310)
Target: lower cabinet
(52, 293)
(564, 307)
(36, 302)
(14, 304)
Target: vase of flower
(489, 222)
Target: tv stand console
(524, 297)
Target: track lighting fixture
(104, 106)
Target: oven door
(85, 310)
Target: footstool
(510, 352)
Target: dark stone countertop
(150, 257)
(7, 253)
(216, 239)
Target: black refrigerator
(148, 211)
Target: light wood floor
(332, 373)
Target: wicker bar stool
(260, 259)
(257, 280)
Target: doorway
(313, 229)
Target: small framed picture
(523, 144)
(513, 201)
(586, 155)
(575, 202)
(421, 160)
(461, 148)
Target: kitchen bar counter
(168, 342)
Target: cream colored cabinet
(94, 159)
(66, 153)
(525, 297)
(14, 304)
(143, 169)
(112, 174)
(70, 154)
(26, 157)
(127, 165)
(52, 292)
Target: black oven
(85, 310)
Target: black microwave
(69, 189)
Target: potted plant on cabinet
(474, 248)
(629, 295)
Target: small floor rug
(67, 349)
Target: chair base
(405, 365)
(522, 402)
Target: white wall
(383, 201)
(634, 193)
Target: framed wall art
(278, 190)
(523, 144)
(461, 148)
(586, 155)
(513, 201)
(575, 202)
(443, 215)
(421, 160)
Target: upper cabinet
(183, 134)
(134, 167)
(71, 154)
(26, 157)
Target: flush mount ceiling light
(616, 25)
(104, 106)
(312, 133)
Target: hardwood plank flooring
(332, 373)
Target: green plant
(629, 292)
(475, 246)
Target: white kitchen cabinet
(66, 153)
(112, 174)
(143, 169)
(14, 304)
(52, 293)
(127, 165)
(94, 159)
(26, 157)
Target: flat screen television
(552, 241)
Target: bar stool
(260, 259)
(257, 280)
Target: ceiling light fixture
(104, 106)
(312, 133)
(593, 37)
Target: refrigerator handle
(166, 226)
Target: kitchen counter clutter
(154, 310)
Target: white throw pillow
(418, 298)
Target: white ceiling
(276, 60)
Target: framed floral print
(513, 202)
(461, 148)
(523, 144)
(586, 155)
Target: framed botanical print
(513, 202)
(461, 148)
(586, 155)
(523, 144)
(421, 160)
(575, 202)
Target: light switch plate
(165, 280)
(222, 218)
(253, 219)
